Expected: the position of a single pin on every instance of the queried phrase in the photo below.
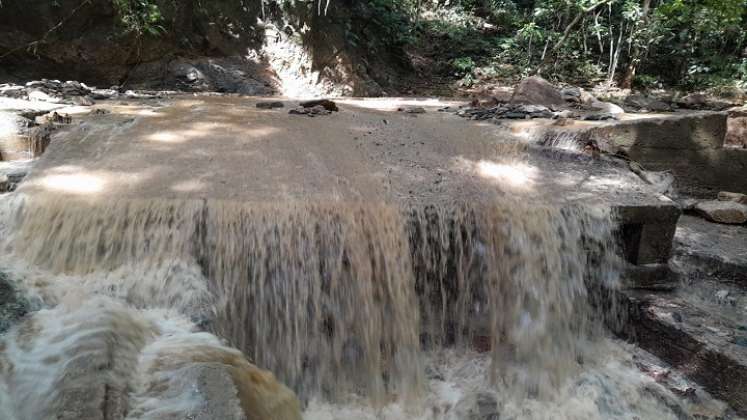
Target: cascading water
(365, 310)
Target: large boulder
(607, 107)
(590, 102)
(102, 360)
(537, 91)
(728, 212)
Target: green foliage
(688, 43)
(463, 65)
(141, 17)
(646, 81)
(391, 19)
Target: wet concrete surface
(226, 148)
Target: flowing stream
(152, 309)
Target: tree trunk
(616, 56)
(635, 56)
(567, 32)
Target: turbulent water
(366, 311)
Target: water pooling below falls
(153, 309)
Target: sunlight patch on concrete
(512, 175)
(168, 137)
(516, 174)
(134, 111)
(261, 131)
(182, 136)
(73, 179)
(74, 183)
(207, 130)
(190, 186)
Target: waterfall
(336, 299)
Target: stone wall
(690, 145)
(736, 133)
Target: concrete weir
(228, 149)
(690, 145)
(362, 243)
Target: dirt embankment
(221, 45)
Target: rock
(571, 94)
(5, 185)
(641, 102)
(477, 406)
(688, 204)
(13, 305)
(661, 181)
(139, 95)
(260, 396)
(270, 105)
(531, 109)
(39, 95)
(694, 100)
(31, 114)
(193, 75)
(600, 116)
(83, 101)
(519, 112)
(538, 91)
(721, 295)
(728, 212)
(512, 115)
(412, 110)
(587, 98)
(52, 91)
(13, 91)
(39, 138)
(703, 101)
(231, 387)
(737, 112)
(102, 94)
(324, 103)
(566, 114)
(730, 196)
(59, 118)
(310, 112)
(606, 107)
